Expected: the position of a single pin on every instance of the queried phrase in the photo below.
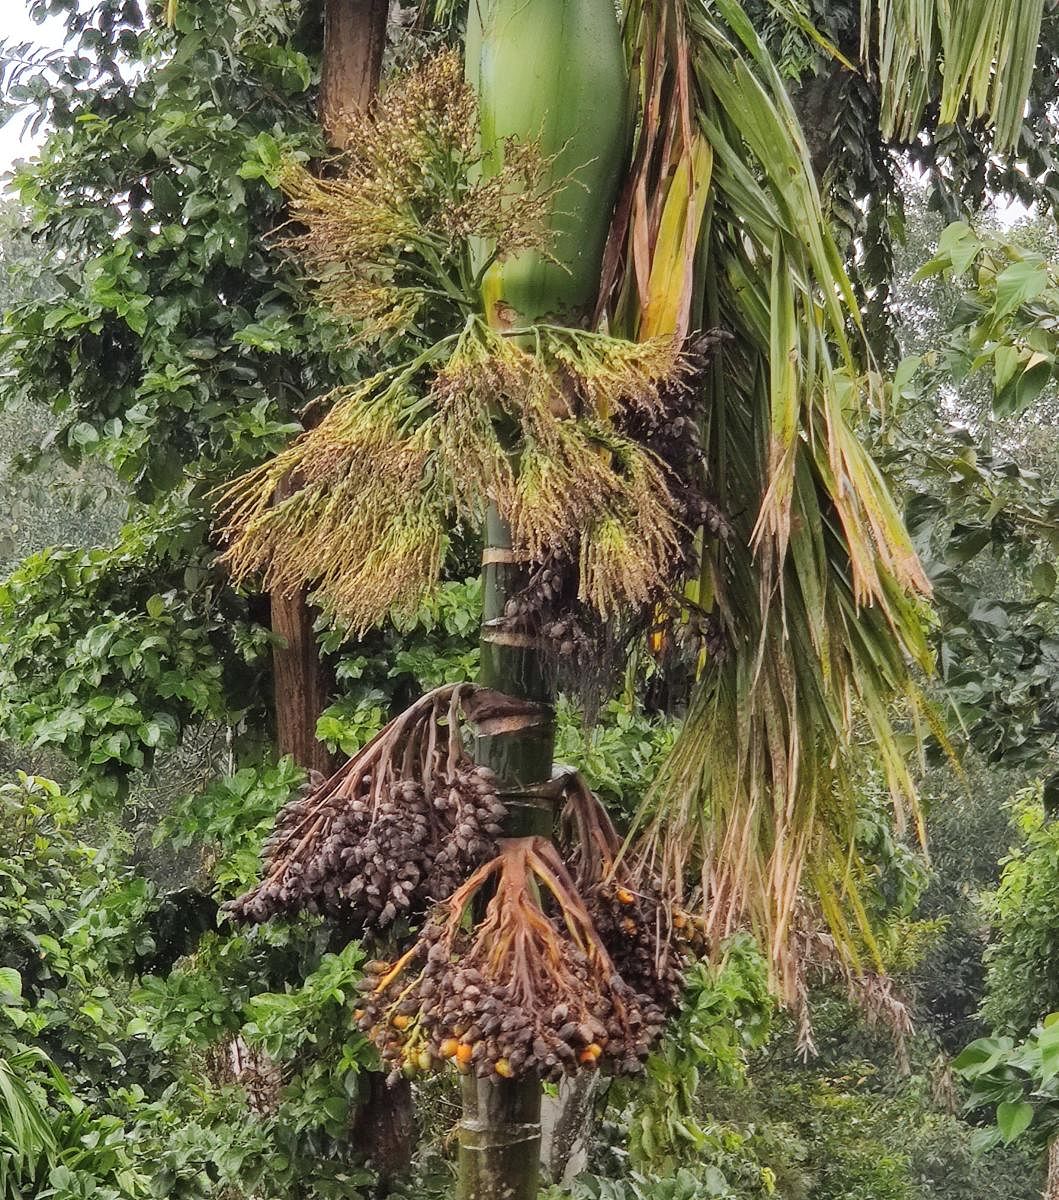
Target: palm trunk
(500, 1133)
(354, 41)
(550, 72)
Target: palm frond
(817, 585)
(26, 1135)
(975, 56)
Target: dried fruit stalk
(531, 988)
(395, 829)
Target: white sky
(15, 26)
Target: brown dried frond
(816, 956)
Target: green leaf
(961, 244)
(981, 1056)
(1043, 578)
(1017, 283)
(966, 542)
(1048, 1045)
(150, 733)
(906, 370)
(1013, 1118)
(10, 982)
(83, 434)
(1006, 361)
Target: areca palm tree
(544, 243)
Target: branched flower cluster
(382, 477)
(530, 988)
(389, 234)
(543, 422)
(579, 482)
(393, 831)
(366, 523)
(586, 645)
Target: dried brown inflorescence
(394, 830)
(874, 994)
(530, 988)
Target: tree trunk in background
(302, 683)
(500, 1132)
(383, 1127)
(1051, 1187)
(354, 40)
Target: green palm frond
(818, 585)
(26, 1135)
(975, 57)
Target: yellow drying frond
(816, 588)
(756, 795)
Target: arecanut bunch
(571, 966)
(530, 988)
(395, 829)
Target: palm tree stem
(500, 1131)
